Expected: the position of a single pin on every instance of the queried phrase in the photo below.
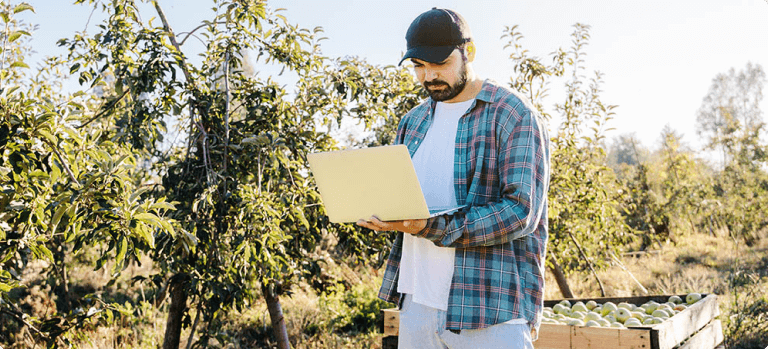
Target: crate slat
(605, 338)
(391, 322)
(708, 338)
(681, 326)
(695, 327)
(553, 336)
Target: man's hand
(411, 226)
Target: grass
(345, 315)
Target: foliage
(731, 119)
(68, 183)
(584, 217)
(356, 310)
(247, 209)
(747, 325)
(667, 192)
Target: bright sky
(658, 57)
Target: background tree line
(231, 217)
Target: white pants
(423, 327)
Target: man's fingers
(374, 224)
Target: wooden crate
(692, 328)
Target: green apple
(633, 322)
(608, 307)
(592, 316)
(610, 318)
(604, 322)
(680, 307)
(616, 324)
(592, 323)
(578, 315)
(650, 307)
(580, 306)
(575, 322)
(591, 305)
(692, 298)
(625, 305)
(622, 314)
(660, 313)
(565, 302)
(675, 299)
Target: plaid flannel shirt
(501, 172)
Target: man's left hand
(410, 226)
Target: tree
(730, 111)
(731, 119)
(69, 184)
(249, 215)
(584, 220)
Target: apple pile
(620, 315)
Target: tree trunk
(562, 282)
(60, 266)
(176, 312)
(276, 315)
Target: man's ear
(471, 50)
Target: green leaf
(5, 16)
(149, 218)
(19, 64)
(57, 216)
(23, 7)
(42, 252)
(14, 36)
(136, 194)
(48, 136)
(55, 173)
(162, 205)
(122, 248)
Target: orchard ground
(345, 314)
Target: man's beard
(447, 92)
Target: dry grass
(696, 263)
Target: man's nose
(430, 74)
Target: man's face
(445, 80)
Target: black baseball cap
(434, 34)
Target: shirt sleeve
(523, 167)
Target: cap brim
(431, 54)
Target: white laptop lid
(360, 183)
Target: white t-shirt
(426, 270)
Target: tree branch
(175, 43)
(194, 30)
(61, 160)
(589, 264)
(103, 111)
(21, 319)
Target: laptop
(378, 181)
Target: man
(474, 278)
